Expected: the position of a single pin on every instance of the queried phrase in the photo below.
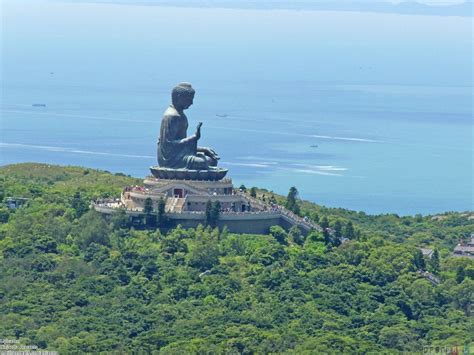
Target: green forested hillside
(73, 282)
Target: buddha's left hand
(210, 152)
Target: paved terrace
(264, 211)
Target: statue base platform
(213, 174)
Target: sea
(363, 110)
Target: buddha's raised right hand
(198, 130)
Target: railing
(430, 277)
(107, 208)
(291, 217)
(142, 191)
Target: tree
(46, 244)
(349, 231)
(213, 210)
(315, 249)
(295, 235)
(273, 199)
(150, 218)
(324, 223)
(161, 211)
(338, 229)
(279, 234)
(291, 202)
(462, 295)
(172, 244)
(435, 262)
(120, 219)
(327, 236)
(419, 260)
(205, 252)
(79, 204)
(92, 229)
(253, 192)
(460, 274)
(243, 188)
(148, 206)
(4, 215)
(209, 212)
(469, 272)
(397, 337)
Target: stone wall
(253, 223)
(252, 226)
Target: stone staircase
(179, 205)
(175, 204)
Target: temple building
(185, 195)
(186, 200)
(465, 248)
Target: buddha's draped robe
(175, 150)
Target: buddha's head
(182, 96)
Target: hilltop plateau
(73, 281)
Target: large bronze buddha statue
(178, 155)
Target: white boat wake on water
(351, 139)
(70, 150)
(316, 172)
(55, 114)
(252, 165)
(327, 170)
(97, 118)
(322, 167)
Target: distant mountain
(407, 7)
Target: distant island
(74, 281)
